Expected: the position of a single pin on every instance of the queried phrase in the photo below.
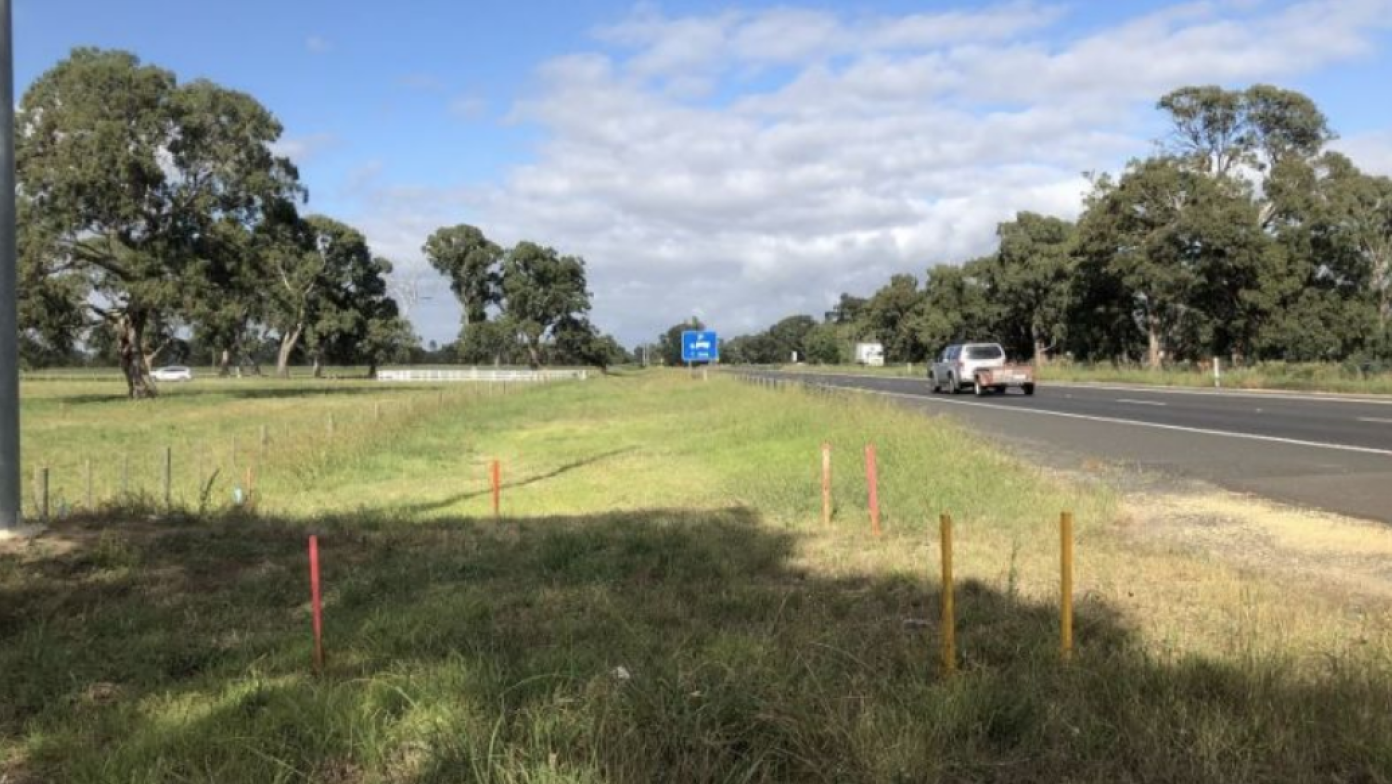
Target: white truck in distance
(980, 366)
(869, 354)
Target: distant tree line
(157, 224)
(1243, 237)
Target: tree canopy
(1243, 237)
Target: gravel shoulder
(1343, 557)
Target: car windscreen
(984, 352)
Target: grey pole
(9, 294)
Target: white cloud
(302, 149)
(1372, 151)
(468, 106)
(752, 164)
(317, 44)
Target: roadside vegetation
(159, 225)
(1243, 237)
(659, 601)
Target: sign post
(700, 347)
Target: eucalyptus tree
(1028, 279)
(1237, 133)
(325, 288)
(473, 265)
(123, 172)
(1126, 244)
(954, 307)
(541, 290)
(231, 301)
(891, 315)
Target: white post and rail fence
(485, 375)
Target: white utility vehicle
(980, 367)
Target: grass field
(1296, 376)
(659, 601)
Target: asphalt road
(1326, 452)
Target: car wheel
(1029, 389)
(978, 388)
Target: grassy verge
(660, 602)
(215, 431)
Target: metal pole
(9, 294)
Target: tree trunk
(318, 367)
(1380, 254)
(287, 347)
(1380, 278)
(1153, 350)
(225, 363)
(130, 339)
(1041, 351)
(533, 355)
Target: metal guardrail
(480, 374)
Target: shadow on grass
(433, 506)
(661, 645)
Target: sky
(738, 162)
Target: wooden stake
(949, 617)
(496, 475)
(1066, 586)
(168, 478)
(316, 604)
(872, 480)
(826, 484)
(41, 478)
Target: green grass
(659, 602)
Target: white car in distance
(172, 373)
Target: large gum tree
(125, 175)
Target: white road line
(1375, 419)
(1113, 420)
(1270, 394)
(1141, 402)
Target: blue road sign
(700, 346)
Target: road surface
(1326, 452)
